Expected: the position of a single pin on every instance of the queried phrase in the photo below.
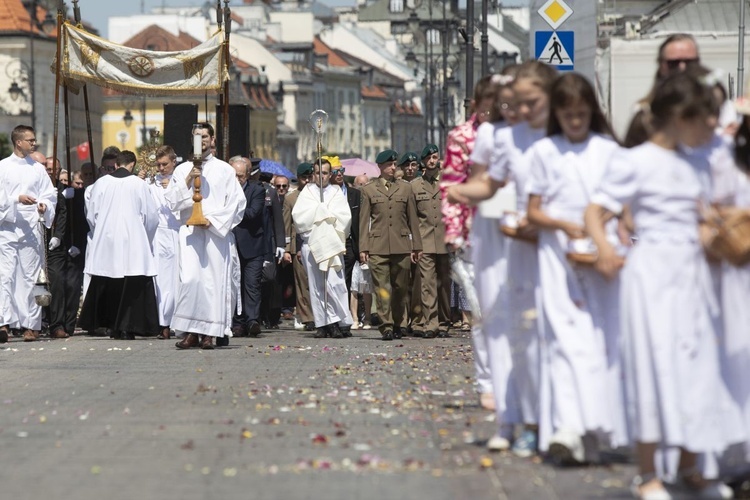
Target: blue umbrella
(276, 168)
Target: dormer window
(397, 5)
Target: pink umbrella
(357, 166)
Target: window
(396, 5)
(433, 36)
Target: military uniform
(434, 266)
(414, 294)
(389, 232)
(301, 286)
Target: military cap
(386, 156)
(304, 169)
(429, 149)
(408, 157)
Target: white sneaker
(298, 325)
(498, 443)
(566, 448)
(716, 489)
(366, 327)
(654, 494)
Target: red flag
(83, 151)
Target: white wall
(633, 66)
(296, 27)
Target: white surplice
(580, 306)
(207, 280)
(122, 216)
(21, 240)
(166, 244)
(324, 228)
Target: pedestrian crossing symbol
(555, 48)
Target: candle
(197, 149)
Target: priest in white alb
(323, 228)
(29, 188)
(208, 262)
(123, 217)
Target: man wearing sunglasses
(353, 197)
(676, 53)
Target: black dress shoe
(253, 329)
(115, 334)
(238, 331)
(190, 340)
(430, 334)
(128, 336)
(321, 333)
(336, 332)
(388, 335)
(346, 331)
(4, 334)
(310, 326)
(222, 341)
(417, 333)
(443, 334)
(398, 333)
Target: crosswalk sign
(555, 48)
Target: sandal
(465, 327)
(164, 334)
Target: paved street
(284, 416)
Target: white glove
(69, 193)
(54, 242)
(279, 253)
(74, 252)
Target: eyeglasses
(675, 63)
(281, 186)
(337, 171)
(30, 141)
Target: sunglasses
(337, 171)
(675, 63)
(280, 186)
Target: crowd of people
(606, 310)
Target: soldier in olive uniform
(301, 286)
(434, 266)
(389, 242)
(409, 164)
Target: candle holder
(197, 218)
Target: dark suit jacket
(274, 220)
(354, 197)
(250, 234)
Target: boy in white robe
(323, 228)
(207, 280)
(123, 217)
(29, 188)
(166, 241)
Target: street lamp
(128, 118)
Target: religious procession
(606, 306)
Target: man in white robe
(29, 188)
(323, 228)
(166, 242)
(122, 215)
(208, 262)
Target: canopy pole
(227, 65)
(58, 78)
(89, 136)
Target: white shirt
(25, 176)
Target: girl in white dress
(580, 306)
(669, 351)
(513, 334)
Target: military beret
(408, 157)
(429, 149)
(386, 156)
(304, 169)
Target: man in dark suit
(353, 196)
(252, 247)
(270, 306)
